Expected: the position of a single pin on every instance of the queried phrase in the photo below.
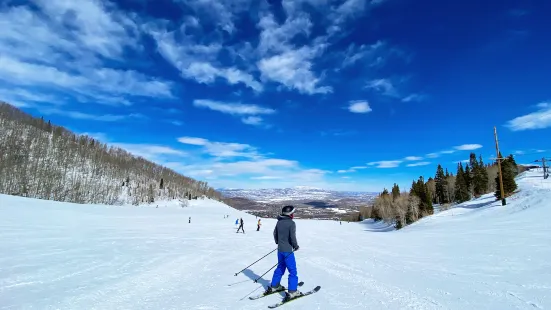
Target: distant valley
(311, 202)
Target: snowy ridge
(478, 255)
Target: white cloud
(413, 97)
(237, 109)
(413, 158)
(383, 86)
(193, 141)
(468, 147)
(385, 163)
(222, 149)
(232, 108)
(536, 120)
(150, 151)
(267, 177)
(421, 163)
(293, 69)
(76, 38)
(196, 60)
(359, 107)
(433, 155)
(252, 120)
(86, 116)
(355, 54)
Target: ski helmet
(287, 210)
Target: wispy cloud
(151, 151)
(383, 86)
(421, 163)
(76, 50)
(222, 149)
(385, 163)
(468, 147)
(536, 120)
(233, 108)
(413, 98)
(413, 158)
(86, 116)
(359, 106)
(237, 109)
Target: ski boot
(275, 289)
(292, 295)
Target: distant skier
(241, 226)
(258, 225)
(286, 240)
(190, 219)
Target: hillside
(41, 160)
(478, 255)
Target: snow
(478, 255)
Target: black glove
(296, 249)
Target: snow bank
(480, 255)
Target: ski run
(478, 255)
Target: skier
(258, 225)
(190, 219)
(241, 226)
(286, 240)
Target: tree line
(471, 180)
(41, 160)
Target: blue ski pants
(286, 260)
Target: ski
(264, 295)
(316, 289)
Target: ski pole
(255, 262)
(255, 281)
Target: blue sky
(348, 94)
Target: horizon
(344, 95)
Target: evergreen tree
(441, 185)
(483, 176)
(468, 178)
(161, 186)
(461, 192)
(395, 192)
(420, 189)
(509, 183)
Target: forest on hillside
(41, 160)
(471, 180)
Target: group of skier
(240, 222)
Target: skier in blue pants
(286, 240)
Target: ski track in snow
(478, 255)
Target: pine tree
(461, 192)
(421, 190)
(395, 192)
(509, 183)
(483, 176)
(161, 186)
(441, 185)
(468, 178)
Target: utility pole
(545, 168)
(503, 201)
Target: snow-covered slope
(294, 193)
(476, 256)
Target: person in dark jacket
(241, 226)
(286, 240)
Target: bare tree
(40, 160)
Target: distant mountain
(297, 193)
